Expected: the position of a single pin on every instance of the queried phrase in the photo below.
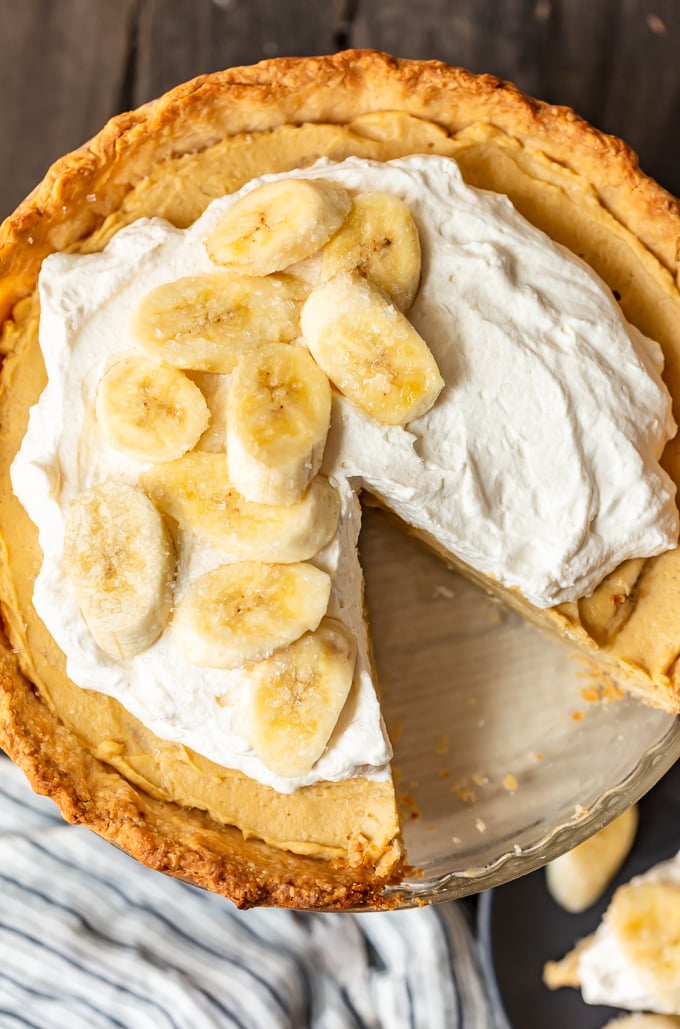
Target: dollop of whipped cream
(537, 465)
(607, 975)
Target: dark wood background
(68, 65)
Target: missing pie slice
(117, 760)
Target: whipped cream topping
(537, 465)
(83, 329)
(607, 975)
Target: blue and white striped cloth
(90, 939)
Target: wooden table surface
(68, 65)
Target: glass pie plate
(509, 749)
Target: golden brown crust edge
(185, 843)
(82, 188)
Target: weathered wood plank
(62, 64)
(178, 39)
(642, 101)
(617, 62)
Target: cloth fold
(89, 938)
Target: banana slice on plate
(244, 611)
(278, 414)
(645, 919)
(150, 410)
(639, 1021)
(197, 492)
(380, 240)
(579, 877)
(120, 559)
(298, 695)
(369, 350)
(277, 225)
(208, 322)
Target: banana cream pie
(230, 312)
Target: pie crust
(331, 846)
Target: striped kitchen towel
(90, 939)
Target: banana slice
(278, 414)
(244, 611)
(208, 322)
(645, 918)
(297, 698)
(150, 410)
(196, 491)
(639, 1021)
(278, 224)
(380, 240)
(369, 350)
(579, 877)
(119, 556)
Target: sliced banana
(119, 556)
(278, 224)
(244, 611)
(380, 240)
(579, 877)
(197, 492)
(215, 389)
(150, 410)
(640, 1021)
(298, 695)
(208, 322)
(645, 918)
(369, 350)
(278, 414)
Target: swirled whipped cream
(537, 465)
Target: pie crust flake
(332, 845)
